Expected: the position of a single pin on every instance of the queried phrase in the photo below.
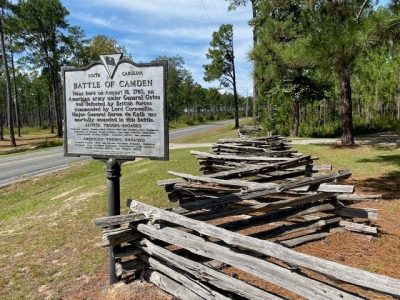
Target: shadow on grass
(384, 147)
(391, 159)
(386, 185)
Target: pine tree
(43, 23)
(10, 113)
(222, 65)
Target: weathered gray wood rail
(246, 212)
(276, 274)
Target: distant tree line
(190, 102)
(325, 68)
(36, 40)
(321, 68)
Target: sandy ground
(382, 139)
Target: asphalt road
(41, 162)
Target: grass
(363, 161)
(33, 130)
(48, 240)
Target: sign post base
(113, 172)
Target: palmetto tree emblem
(110, 62)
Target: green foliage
(42, 24)
(78, 50)
(51, 143)
(305, 51)
(179, 85)
(221, 55)
(361, 126)
(101, 44)
(222, 65)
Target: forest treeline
(36, 41)
(321, 68)
(326, 68)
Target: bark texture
(346, 108)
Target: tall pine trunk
(57, 101)
(8, 85)
(50, 115)
(1, 126)
(255, 91)
(346, 109)
(296, 118)
(16, 100)
(235, 95)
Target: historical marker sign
(116, 108)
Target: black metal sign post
(113, 173)
(115, 111)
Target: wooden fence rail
(245, 214)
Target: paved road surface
(26, 165)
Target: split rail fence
(231, 233)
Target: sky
(150, 28)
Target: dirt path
(385, 139)
(388, 139)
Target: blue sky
(149, 28)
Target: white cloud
(205, 10)
(168, 27)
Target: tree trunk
(57, 101)
(255, 92)
(50, 112)
(346, 109)
(195, 111)
(39, 111)
(296, 118)
(1, 126)
(16, 100)
(8, 87)
(235, 95)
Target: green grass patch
(34, 130)
(363, 162)
(47, 231)
(51, 143)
